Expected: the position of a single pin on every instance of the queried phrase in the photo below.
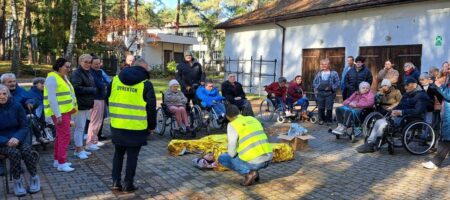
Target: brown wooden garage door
(311, 64)
(377, 55)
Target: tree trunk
(73, 30)
(136, 5)
(27, 38)
(177, 21)
(3, 30)
(15, 60)
(102, 12)
(125, 12)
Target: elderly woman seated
(13, 131)
(176, 102)
(387, 97)
(353, 106)
(210, 97)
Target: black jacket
(432, 92)
(100, 84)
(84, 86)
(354, 78)
(132, 76)
(188, 75)
(230, 92)
(414, 103)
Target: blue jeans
(239, 165)
(279, 101)
(303, 102)
(219, 108)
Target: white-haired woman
(410, 71)
(13, 133)
(364, 98)
(176, 102)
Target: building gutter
(283, 36)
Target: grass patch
(27, 71)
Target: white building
(400, 30)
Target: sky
(168, 3)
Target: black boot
(129, 188)
(116, 186)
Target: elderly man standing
(326, 83)
(85, 90)
(233, 92)
(132, 106)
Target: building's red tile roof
(293, 9)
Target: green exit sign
(438, 41)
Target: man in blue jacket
(19, 94)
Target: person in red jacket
(295, 96)
(277, 92)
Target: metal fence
(252, 73)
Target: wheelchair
(268, 108)
(39, 126)
(206, 117)
(165, 118)
(413, 134)
(357, 125)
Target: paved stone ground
(330, 169)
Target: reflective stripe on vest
(127, 106)
(252, 142)
(64, 96)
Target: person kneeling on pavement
(210, 97)
(13, 133)
(413, 103)
(248, 147)
(353, 106)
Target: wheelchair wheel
(418, 137)
(196, 118)
(160, 121)
(281, 119)
(266, 110)
(214, 120)
(313, 119)
(369, 122)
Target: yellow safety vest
(127, 106)
(64, 95)
(252, 142)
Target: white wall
(416, 23)
(154, 55)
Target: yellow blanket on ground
(218, 145)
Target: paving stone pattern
(330, 169)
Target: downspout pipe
(283, 29)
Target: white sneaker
(92, 147)
(80, 155)
(100, 144)
(56, 163)
(86, 152)
(338, 130)
(429, 165)
(64, 168)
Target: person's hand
(13, 142)
(151, 132)
(30, 106)
(389, 108)
(202, 83)
(396, 113)
(352, 104)
(58, 120)
(237, 98)
(188, 88)
(273, 95)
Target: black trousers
(16, 155)
(132, 158)
(443, 150)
